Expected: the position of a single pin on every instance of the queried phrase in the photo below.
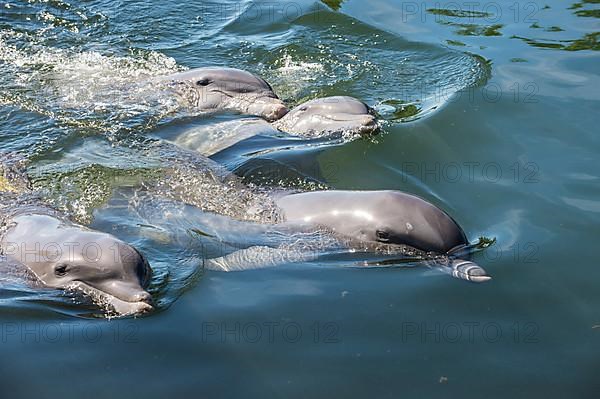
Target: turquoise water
(490, 112)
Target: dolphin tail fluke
(467, 270)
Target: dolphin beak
(281, 112)
(142, 296)
(277, 112)
(369, 125)
(141, 301)
(125, 291)
(271, 109)
(366, 124)
(467, 270)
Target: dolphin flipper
(260, 257)
(257, 257)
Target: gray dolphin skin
(390, 217)
(65, 255)
(227, 89)
(327, 116)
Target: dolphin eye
(203, 82)
(61, 270)
(382, 236)
(303, 109)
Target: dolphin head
(68, 256)
(401, 218)
(387, 217)
(228, 89)
(420, 224)
(329, 115)
(390, 217)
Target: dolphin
(387, 217)
(215, 89)
(64, 255)
(328, 117)
(278, 227)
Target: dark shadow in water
(466, 29)
(588, 13)
(478, 30)
(587, 42)
(457, 13)
(334, 4)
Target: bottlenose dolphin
(279, 227)
(329, 117)
(367, 221)
(389, 217)
(65, 255)
(216, 89)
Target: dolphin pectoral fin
(467, 270)
(257, 257)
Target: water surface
(490, 112)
